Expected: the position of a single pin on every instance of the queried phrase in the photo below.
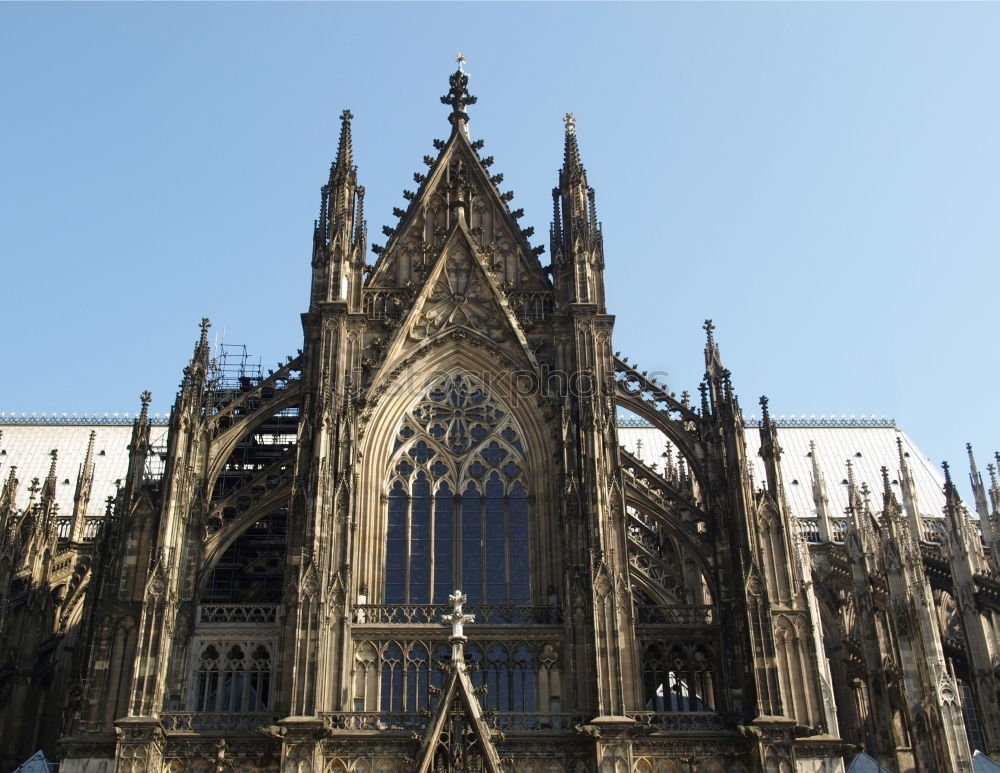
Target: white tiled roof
(867, 447)
(27, 447)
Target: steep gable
(458, 182)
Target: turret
(339, 236)
(577, 242)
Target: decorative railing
(88, 419)
(430, 614)
(681, 721)
(374, 720)
(91, 527)
(513, 722)
(192, 721)
(823, 421)
(808, 527)
(237, 614)
(689, 614)
(506, 722)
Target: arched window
(457, 500)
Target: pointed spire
(952, 503)
(572, 165)
(84, 484)
(144, 399)
(138, 446)
(982, 502)
(201, 348)
(768, 432)
(853, 499)
(820, 497)
(49, 487)
(8, 494)
(459, 97)
(344, 162)
(908, 489)
(889, 503)
(994, 489)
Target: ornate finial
(458, 95)
(203, 340)
(347, 115)
(461, 60)
(709, 328)
(570, 121)
(146, 398)
(457, 619)
(765, 415)
(947, 475)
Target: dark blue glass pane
(494, 453)
(443, 542)
(421, 452)
(517, 525)
(495, 544)
(420, 534)
(396, 545)
(472, 567)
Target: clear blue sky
(823, 180)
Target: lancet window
(458, 500)
(233, 676)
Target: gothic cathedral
(418, 545)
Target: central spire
(458, 96)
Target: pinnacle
(572, 165)
(344, 155)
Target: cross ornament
(456, 618)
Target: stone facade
(276, 599)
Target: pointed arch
(417, 462)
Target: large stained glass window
(458, 500)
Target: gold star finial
(460, 58)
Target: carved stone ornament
(460, 298)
